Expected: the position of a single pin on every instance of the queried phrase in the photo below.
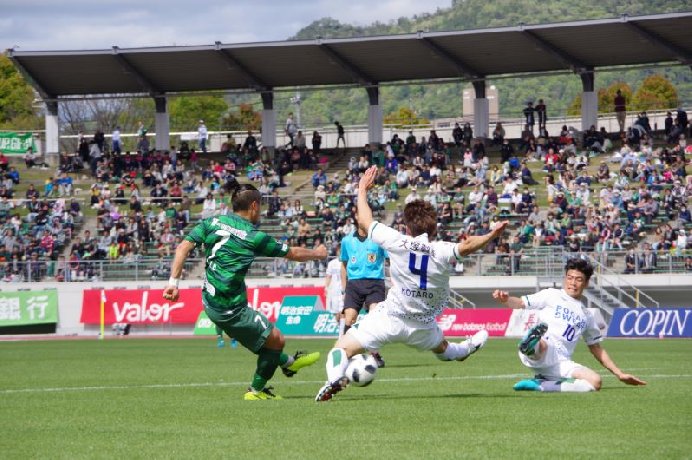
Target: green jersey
(230, 245)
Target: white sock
(290, 361)
(567, 386)
(454, 351)
(342, 326)
(336, 364)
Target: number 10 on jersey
(422, 271)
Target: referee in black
(362, 273)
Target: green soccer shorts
(249, 327)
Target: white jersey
(567, 320)
(334, 270)
(419, 273)
(335, 299)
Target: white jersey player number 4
(420, 288)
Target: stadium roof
(469, 55)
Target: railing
(458, 300)
(549, 263)
(140, 269)
(357, 135)
(541, 262)
(613, 282)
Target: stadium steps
(87, 223)
(338, 162)
(602, 299)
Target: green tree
(574, 108)
(246, 118)
(404, 117)
(444, 100)
(16, 99)
(655, 93)
(606, 98)
(186, 111)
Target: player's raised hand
(501, 296)
(368, 178)
(500, 228)
(630, 379)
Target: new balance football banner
(468, 321)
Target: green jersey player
(231, 243)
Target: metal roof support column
(589, 100)
(163, 127)
(268, 121)
(375, 118)
(52, 146)
(481, 110)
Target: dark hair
(580, 265)
(420, 217)
(243, 195)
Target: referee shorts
(363, 292)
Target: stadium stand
(622, 198)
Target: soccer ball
(361, 370)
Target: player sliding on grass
(420, 287)
(548, 346)
(231, 243)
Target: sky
(99, 24)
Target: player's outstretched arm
(474, 243)
(364, 211)
(181, 252)
(299, 254)
(504, 298)
(604, 358)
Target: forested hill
(478, 14)
(441, 101)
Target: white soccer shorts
(553, 364)
(378, 328)
(335, 303)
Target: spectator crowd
(604, 192)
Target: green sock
(285, 359)
(267, 362)
(258, 382)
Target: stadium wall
(674, 290)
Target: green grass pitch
(182, 398)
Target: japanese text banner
(28, 307)
(15, 143)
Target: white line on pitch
(297, 382)
(229, 384)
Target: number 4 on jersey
(422, 271)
